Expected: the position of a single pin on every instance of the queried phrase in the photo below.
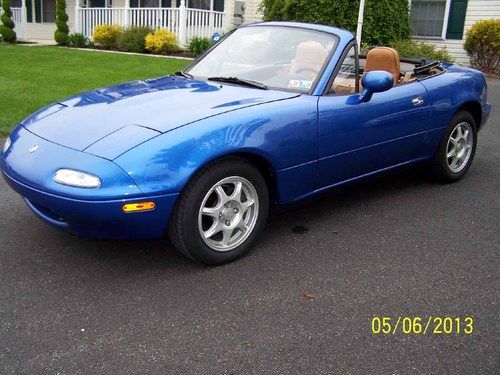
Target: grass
(32, 77)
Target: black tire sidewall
(191, 238)
(441, 169)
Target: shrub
(385, 20)
(7, 26)
(161, 42)
(198, 45)
(107, 35)
(61, 34)
(411, 49)
(133, 39)
(482, 44)
(77, 40)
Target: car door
(357, 139)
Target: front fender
(284, 133)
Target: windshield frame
(318, 77)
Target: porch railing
(184, 22)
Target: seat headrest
(309, 54)
(384, 58)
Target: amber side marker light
(139, 207)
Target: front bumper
(97, 219)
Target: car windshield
(277, 57)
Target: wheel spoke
(226, 236)
(451, 153)
(459, 132)
(466, 135)
(455, 162)
(246, 205)
(242, 227)
(211, 211)
(221, 194)
(213, 230)
(236, 195)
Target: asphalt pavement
(301, 303)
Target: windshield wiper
(239, 81)
(183, 74)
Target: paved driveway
(301, 303)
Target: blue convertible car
(275, 112)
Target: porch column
(24, 19)
(211, 20)
(77, 16)
(182, 23)
(126, 14)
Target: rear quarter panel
(449, 91)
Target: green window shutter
(98, 3)
(29, 11)
(456, 19)
(219, 5)
(38, 11)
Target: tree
(61, 34)
(385, 20)
(7, 26)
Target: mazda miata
(273, 113)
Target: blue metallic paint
(146, 139)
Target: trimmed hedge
(61, 34)
(7, 27)
(482, 44)
(385, 20)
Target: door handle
(417, 101)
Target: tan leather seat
(384, 58)
(309, 59)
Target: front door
(358, 139)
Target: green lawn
(31, 77)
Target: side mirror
(375, 81)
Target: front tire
(220, 212)
(456, 150)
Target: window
(45, 11)
(427, 17)
(345, 81)
(48, 11)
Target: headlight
(6, 145)
(77, 179)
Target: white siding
(45, 31)
(252, 13)
(476, 10)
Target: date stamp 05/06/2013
(416, 325)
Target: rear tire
(220, 213)
(456, 150)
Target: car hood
(109, 121)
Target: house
(35, 19)
(444, 23)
